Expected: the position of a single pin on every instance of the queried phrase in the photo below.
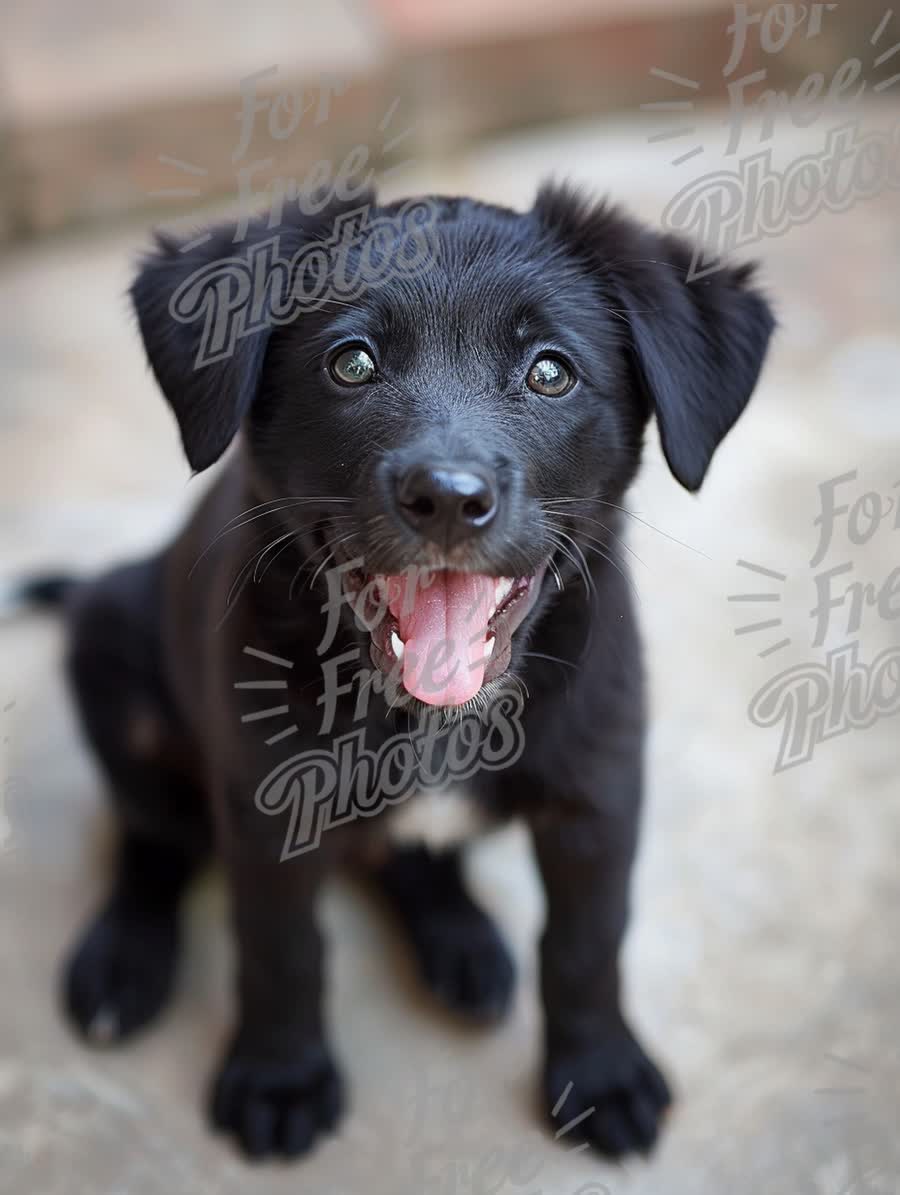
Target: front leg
(593, 1061)
(278, 1087)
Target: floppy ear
(204, 309)
(180, 294)
(696, 345)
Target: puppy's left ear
(697, 345)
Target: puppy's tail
(46, 591)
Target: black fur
(154, 662)
(460, 954)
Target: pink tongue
(443, 619)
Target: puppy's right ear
(182, 295)
(205, 313)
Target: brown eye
(550, 377)
(353, 366)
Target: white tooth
(503, 590)
(489, 648)
(397, 644)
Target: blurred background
(761, 960)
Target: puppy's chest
(438, 818)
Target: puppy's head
(460, 434)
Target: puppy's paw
(120, 975)
(618, 1091)
(465, 962)
(277, 1108)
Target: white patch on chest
(438, 818)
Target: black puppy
(451, 438)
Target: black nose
(446, 505)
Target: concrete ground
(761, 964)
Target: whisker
(327, 547)
(574, 561)
(287, 498)
(249, 562)
(609, 531)
(325, 560)
(539, 655)
(294, 533)
(255, 558)
(577, 549)
(274, 558)
(275, 506)
(658, 530)
(609, 558)
(551, 502)
(554, 568)
(288, 535)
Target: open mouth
(444, 632)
